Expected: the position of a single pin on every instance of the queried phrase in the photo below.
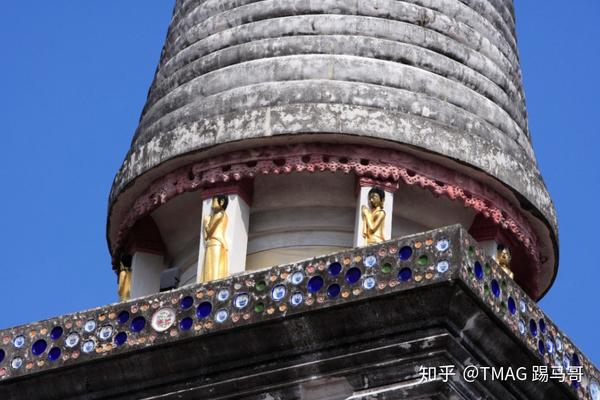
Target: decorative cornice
(243, 188)
(388, 186)
(369, 162)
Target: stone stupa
(322, 200)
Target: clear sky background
(73, 79)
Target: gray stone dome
(437, 78)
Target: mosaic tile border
(441, 255)
(525, 319)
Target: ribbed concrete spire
(437, 78)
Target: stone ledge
(272, 345)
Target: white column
(489, 236)
(145, 273)
(363, 200)
(238, 215)
(490, 247)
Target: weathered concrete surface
(442, 76)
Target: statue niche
(373, 217)
(216, 257)
(503, 258)
(124, 279)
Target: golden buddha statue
(373, 217)
(124, 282)
(503, 258)
(216, 260)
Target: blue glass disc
(495, 288)
(405, 253)
(405, 274)
(186, 324)
(542, 325)
(54, 354)
(38, 348)
(541, 347)
(138, 324)
(315, 283)
(353, 275)
(56, 333)
(333, 290)
(512, 306)
(186, 302)
(120, 338)
(204, 309)
(2, 355)
(533, 327)
(478, 270)
(335, 268)
(123, 317)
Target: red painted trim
(244, 189)
(370, 162)
(485, 229)
(145, 237)
(388, 186)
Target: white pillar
(363, 200)
(489, 236)
(238, 216)
(490, 247)
(145, 273)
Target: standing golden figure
(124, 280)
(216, 260)
(373, 217)
(503, 258)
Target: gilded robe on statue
(216, 257)
(373, 217)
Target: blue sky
(73, 80)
